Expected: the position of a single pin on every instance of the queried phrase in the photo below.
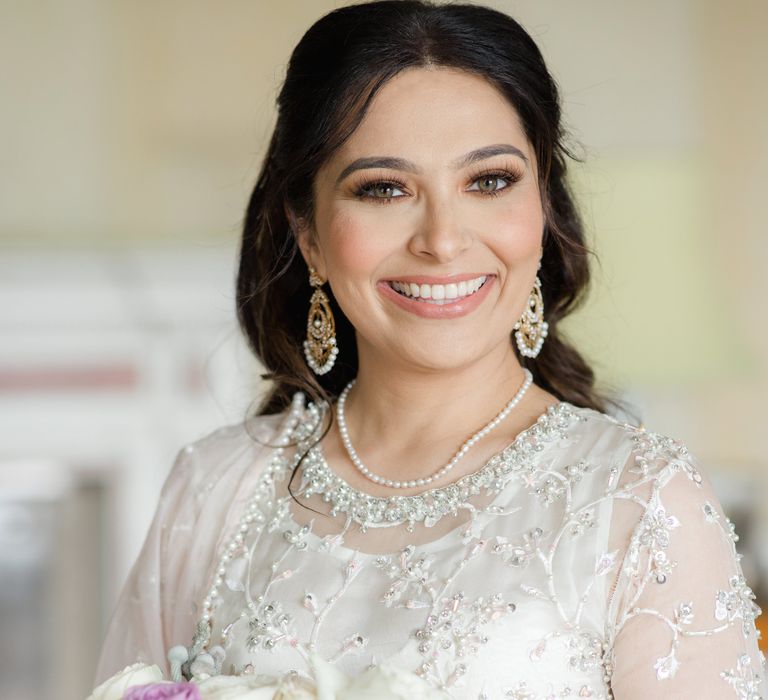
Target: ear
(306, 239)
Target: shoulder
(644, 449)
(636, 469)
(228, 450)
(665, 511)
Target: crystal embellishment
(430, 506)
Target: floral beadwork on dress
(659, 460)
(744, 679)
(532, 595)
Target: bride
(433, 481)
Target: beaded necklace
(471, 440)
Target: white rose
(255, 688)
(378, 683)
(136, 674)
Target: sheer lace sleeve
(681, 618)
(141, 624)
(200, 502)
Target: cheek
(516, 231)
(355, 247)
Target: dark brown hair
(334, 72)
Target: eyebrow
(408, 166)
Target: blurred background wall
(130, 136)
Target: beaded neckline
(519, 457)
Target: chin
(439, 358)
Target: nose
(439, 233)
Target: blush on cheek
(519, 242)
(356, 248)
(517, 230)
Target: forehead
(433, 115)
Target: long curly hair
(334, 72)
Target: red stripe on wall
(40, 379)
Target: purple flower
(163, 691)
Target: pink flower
(163, 691)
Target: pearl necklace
(368, 474)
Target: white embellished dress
(589, 558)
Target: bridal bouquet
(143, 682)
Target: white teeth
(439, 293)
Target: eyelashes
(365, 187)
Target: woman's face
(435, 191)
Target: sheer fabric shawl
(200, 502)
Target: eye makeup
(364, 187)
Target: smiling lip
(453, 309)
(430, 279)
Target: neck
(401, 415)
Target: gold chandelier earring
(320, 346)
(531, 329)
